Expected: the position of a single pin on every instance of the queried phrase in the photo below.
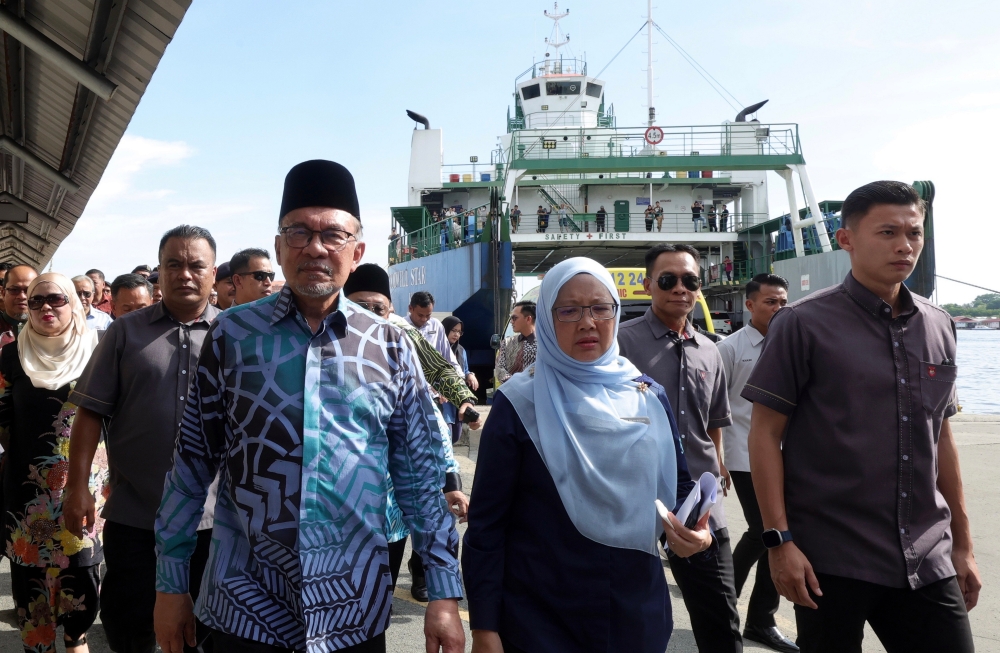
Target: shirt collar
(660, 329)
(523, 338)
(752, 334)
(874, 304)
(9, 320)
(285, 307)
(159, 312)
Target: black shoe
(418, 589)
(770, 637)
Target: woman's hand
(685, 542)
(472, 381)
(486, 641)
(458, 504)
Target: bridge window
(531, 92)
(594, 90)
(562, 88)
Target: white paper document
(699, 501)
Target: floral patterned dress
(54, 574)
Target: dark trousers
(600, 224)
(932, 618)
(128, 592)
(232, 644)
(711, 225)
(396, 551)
(706, 583)
(750, 550)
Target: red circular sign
(654, 135)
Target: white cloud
(134, 155)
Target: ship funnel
(742, 115)
(413, 115)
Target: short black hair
(422, 299)
(667, 248)
(528, 309)
(861, 200)
(240, 262)
(6, 265)
(130, 282)
(100, 275)
(186, 232)
(14, 267)
(765, 279)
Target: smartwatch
(773, 538)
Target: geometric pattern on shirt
(307, 426)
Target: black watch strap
(773, 538)
(452, 481)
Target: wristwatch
(773, 538)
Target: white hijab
(53, 361)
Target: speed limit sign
(654, 135)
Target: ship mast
(649, 67)
(555, 39)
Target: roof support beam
(31, 209)
(49, 50)
(43, 168)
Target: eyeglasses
(36, 302)
(84, 294)
(258, 275)
(16, 290)
(375, 307)
(669, 280)
(334, 240)
(575, 313)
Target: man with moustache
(224, 287)
(15, 301)
(130, 292)
(252, 275)
(137, 383)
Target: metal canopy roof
(73, 72)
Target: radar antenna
(556, 39)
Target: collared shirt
(303, 427)
(866, 394)
(507, 362)
(138, 377)
(740, 352)
(98, 320)
(104, 305)
(690, 369)
(433, 332)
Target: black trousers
(930, 619)
(764, 598)
(233, 644)
(128, 593)
(706, 583)
(396, 551)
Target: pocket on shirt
(937, 386)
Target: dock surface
(978, 438)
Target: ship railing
(634, 178)
(673, 223)
(555, 66)
(728, 139)
(448, 234)
(742, 272)
(471, 172)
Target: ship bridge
(73, 72)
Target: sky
(880, 90)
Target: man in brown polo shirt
(852, 457)
(664, 345)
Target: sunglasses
(259, 275)
(378, 309)
(668, 281)
(84, 294)
(36, 302)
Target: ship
(566, 180)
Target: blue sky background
(886, 89)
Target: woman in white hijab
(54, 575)
(561, 553)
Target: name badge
(640, 420)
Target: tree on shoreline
(981, 306)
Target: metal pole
(793, 212)
(41, 166)
(649, 67)
(824, 238)
(49, 50)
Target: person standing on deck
(303, 402)
(853, 459)
(766, 294)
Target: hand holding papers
(688, 532)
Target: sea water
(979, 370)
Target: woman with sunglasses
(561, 552)
(54, 574)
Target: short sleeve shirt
(138, 378)
(866, 394)
(690, 369)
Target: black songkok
(368, 278)
(223, 273)
(319, 183)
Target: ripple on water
(979, 370)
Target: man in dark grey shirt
(137, 382)
(852, 457)
(664, 345)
